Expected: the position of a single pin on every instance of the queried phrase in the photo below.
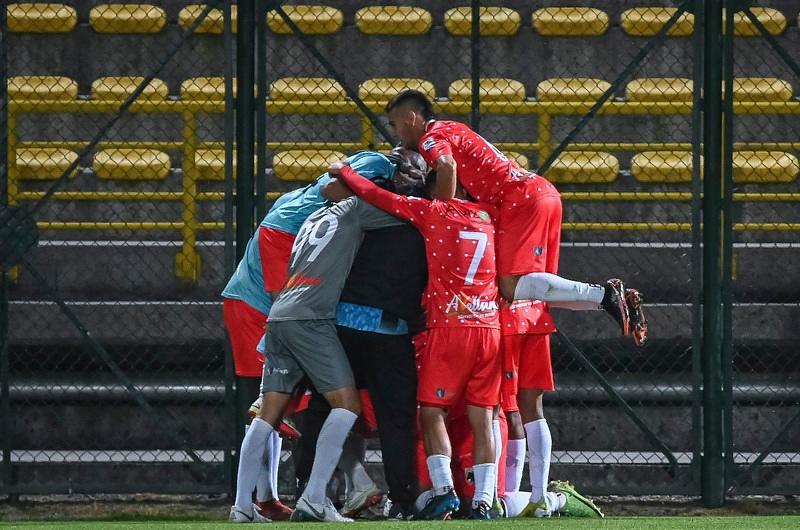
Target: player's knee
(508, 285)
(345, 398)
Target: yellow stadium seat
(41, 18)
(662, 166)
(306, 89)
(127, 18)
(584, 167)
(210, 164)
(570, 21)
(393, 20)
(385, 88)
(761, 89)
(204, 89)
(571, 89)
(42, 87)
(647, 21)
(677, 89)
(119, 88)
(772, 19)
(213, 23)
(310, 19)
(304, 165)
(494, 21)
(519, 158)
(131, 164)
(44, 163)
(492, 89)
(764, 167)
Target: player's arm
(397, 205)
(437, 151)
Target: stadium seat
(385, 88)
(677, 89)
(662, 166)
(647, 21)
(571, 89)
(494, 21)
(310, 19)
(41, 18)
(492, 89)
(764, 167)
(761, 89)
(43, 163)
(119, 88)
(213, 23)
(772, 19)
(393, 20)
(570, 21)
(584, 167)
(210, 164)
(42, 87)
(127, 18)
(304, 165)
(131, 164)
(204, 89)
(519, 158)
(305, 89)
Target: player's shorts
(460, 363)
(509, 388)
(245, 325)
(528, 227)
(275, 249)
(526, 364)
(305, 347)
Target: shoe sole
(370, 501)
(635, 302)
(622, 305)
(569, 488)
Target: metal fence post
(713, 465)
(260, 60)
(475, 58)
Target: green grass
(612, 523)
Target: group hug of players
(410, 292)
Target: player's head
(407, 113)
(409, 177)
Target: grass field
(611, 523)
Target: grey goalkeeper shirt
(322, 256)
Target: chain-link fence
(603, 99)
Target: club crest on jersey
(509, 375)
(428, 144)
(538, 251)
(485, 217)
(440, 393)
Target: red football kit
(460, 357)
(529, 222)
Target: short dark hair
(415, 100)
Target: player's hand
(335, 168)
(335, 190)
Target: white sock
(551, 289)
(252, 461)
(498, 442)
(351, 465)
(540, 444)
(515, 502)
(485, 483)
(441, 475)
(329, 448)
(515, 463)
(275, 463)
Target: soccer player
(528, 239)
(462, 338)
(301, 341)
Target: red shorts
(245, 325)
(528, 227)
(509, 388)
(526, 364)
(460, 363)
(275, 249)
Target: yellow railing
(187, 261)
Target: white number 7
(480, 237)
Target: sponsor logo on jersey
(428, 144)
(470, 306)
(298, 280)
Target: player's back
(459, 241)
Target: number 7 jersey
(459, 245)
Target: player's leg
(362, 492)
(318, 351)
(484, 465)
(515, 451)
(515, 447)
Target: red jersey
(481, 168)
(524, 317)
(459, 244)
